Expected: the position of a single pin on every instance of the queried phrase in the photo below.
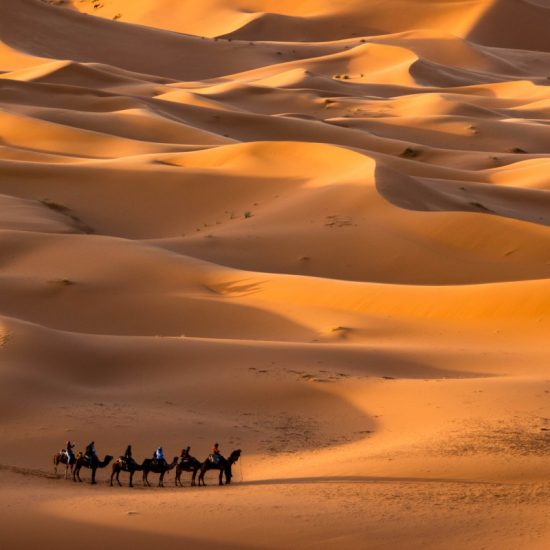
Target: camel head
(234, 456)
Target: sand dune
(317, 231)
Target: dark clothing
(128, 453)
(90, 452)
(185, 453)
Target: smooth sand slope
(316, 231)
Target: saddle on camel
(125, 463)
(187, 463)
(65, 456)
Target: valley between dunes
(317, 231)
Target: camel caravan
(88, 459)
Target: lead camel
(223, 465)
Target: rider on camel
(90, 452)
(127, 456)
(159, 456)
(185, 454)
(69, 451)
(216, 455)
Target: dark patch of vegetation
(480, 206)
(77, 222)
(63, 282)
(55, 206)
(410, 153)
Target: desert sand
(317, 231)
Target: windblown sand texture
(317, 230)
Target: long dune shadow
(311, 480)
(360, 480)
(52, 532)
(428, 195)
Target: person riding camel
(90, 452)
(216, 455)
(69, 451)
(185, 456)
(127, 456)
(159, 456)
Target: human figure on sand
(90, 452)
(65, 456)
(158, 455)
(187, 463)
(69, 450)
(157, 466)
(89, 460)
(216, 454)
(217, 462)
(125, 463)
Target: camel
(62, 458)
(224, 465)
(150, 465)
(83, 461)
(123, 465)
(190, 464)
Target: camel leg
(221, 476)
(131, 479)
(93, 476)
(177, 480)
(118, 478)
(145, 480)
(161, 480)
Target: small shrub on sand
(55, 206)
(480, 206)
(63, 282)
(410, 153)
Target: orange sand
(318, 231)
